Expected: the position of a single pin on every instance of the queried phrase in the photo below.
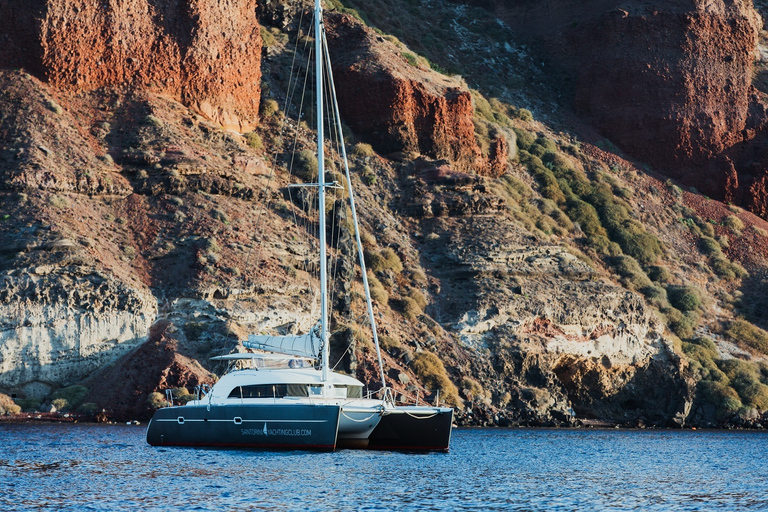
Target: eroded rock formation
(207, 54)
(400, 107)
(60, 324)
(669, 82)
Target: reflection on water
(94, 467)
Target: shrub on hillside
(7, 406)
(305, 165)
(432, 374)
(659, 274)
(709, 247)
(156, 400)
(411, 309)
(734, 223)
(363, 150)
(253, 140)
(269, 108)
(525, 139)
(72, 395)
(684, 298)
(378, 292)
(744, 332)
(628, 268)
(386, 259)
(682, 324)
(725, 399)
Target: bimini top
(301, 345)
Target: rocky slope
(668, 82)
(202, 53)
(528, 275)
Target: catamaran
(283, 399)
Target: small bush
(72, 394)
(525, 139)
(58, 201)
(386, 259)
(7, 406)
(684, 298)
(182, 396)
(254, 141)
(547, 144)
(726, 269)
(682, 324)
(269, 108)
(744, 332)
(659, 274)
(411, 309)
(153, 121)
(723, 397)
(305, 165)
(472, 388)
(432, 374)
(628, 268)
(389, 343)
(156, 400)
(363, 150)
(523, 114)
(733, 223)
(709, 246)
(378, 292)
(61, 404)
(418, 298)
(211, 245)
(220, 215)
(54, 107)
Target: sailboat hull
(413, 428)
(302, 426)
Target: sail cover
(301, 345)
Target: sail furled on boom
(300, 345)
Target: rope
(358, 421)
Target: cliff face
(401, 107)
(62, 323)
(137, 239)
(539, 323)
(205, 54)
(668, 82)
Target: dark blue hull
(413, 430)
(304, 426)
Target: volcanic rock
(401, 107)
(205, 54)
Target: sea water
(103, 467)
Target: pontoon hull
(304, 426)
(413, 428)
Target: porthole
(238, 420)
(180, 419)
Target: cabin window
(342, 391)
(260, 391)
(315, 390)
(297, 390)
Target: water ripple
(93, 467)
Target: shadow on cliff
(655, 394)
(122, 389)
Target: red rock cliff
(205, 53)
(401, 107)
(669, 82)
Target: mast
(321, 187)
(361, 257)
